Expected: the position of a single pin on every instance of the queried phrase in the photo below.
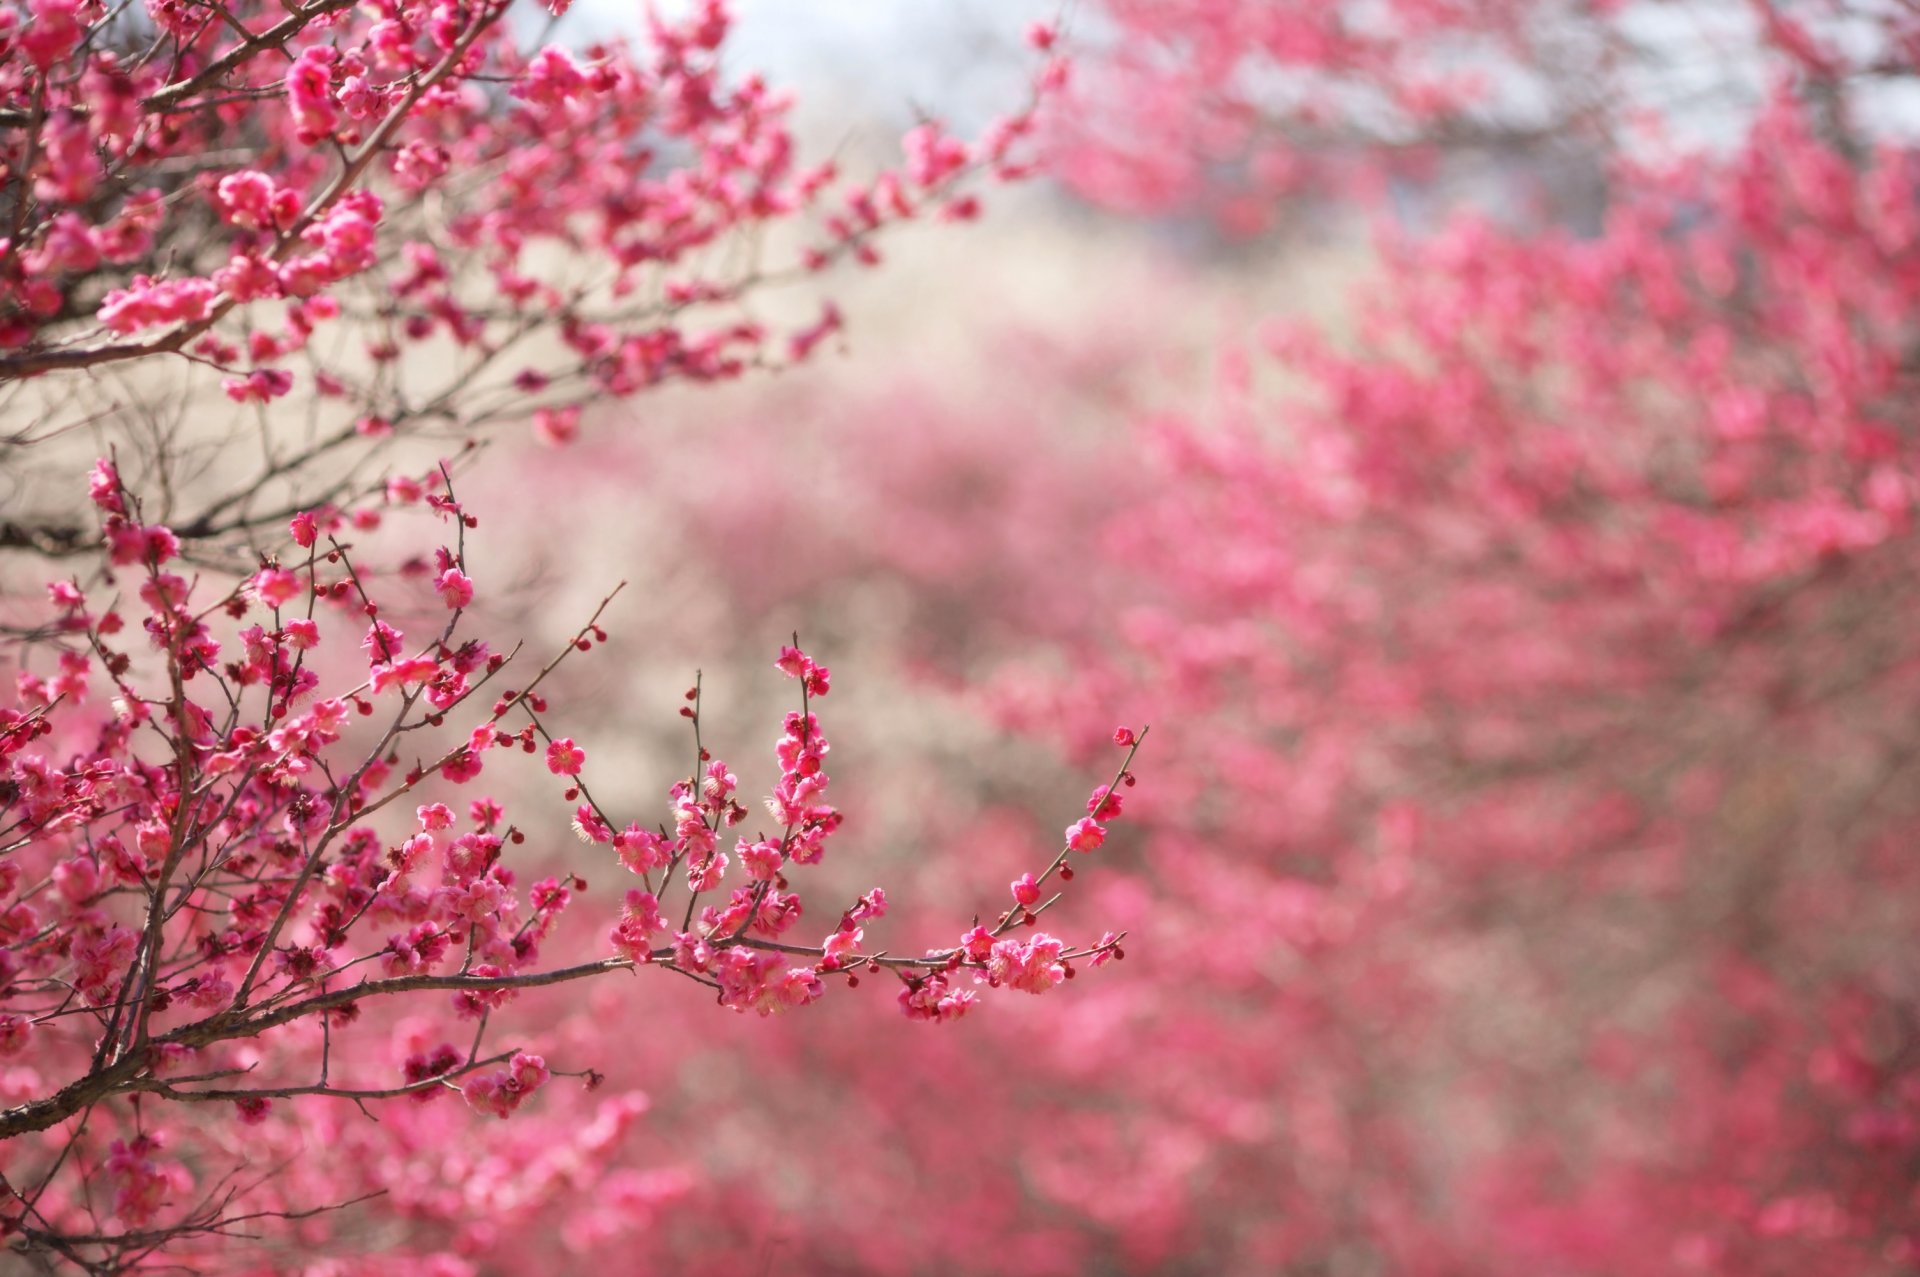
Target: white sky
(873, 60)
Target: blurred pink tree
(1528, 883)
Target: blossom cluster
(289, 204)
(208, 867)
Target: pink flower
(246, 278)
(640, 921)
(253, 200)
(310, 93)
(932, 998)
(1033, 967)
(420, 164)
(275, 587)
(261, 386)
(704, 872)
(564, 758)
(502, 1091)
(305, 529)
(588, 825)
(382, 642)
(642, 850)
(76, 880)
(552, 78)
(412, 671)
(842, 944)
(53, 33)
(761, 859)
(146, 303)
(103, 487)
(143, 1182)
(1085, 835)
(455, 587)
(303, 632)
(932, 156)
(98, 961)
(1026, 890)
(129, 543)
(795, 663)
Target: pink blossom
(1032, 967)
(252, 200)
(761, 859)
(1085, 835)
(247, 278)
(842, 944)
(589, 826)
(146, 303)
(275, 587)
(564, 758)
(642, 850)
(409, 672)
(310, 93)
(52, 33)
(77, 879)
(144, 1183)
(455, 587)
(932, 156)
(499, 1092)
(260, 386)
(552, 78)
(103, 487)
(931, 997)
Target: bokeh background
(1522, 878)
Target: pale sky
(876, 60)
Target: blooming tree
(403, 218)
(255, 915)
